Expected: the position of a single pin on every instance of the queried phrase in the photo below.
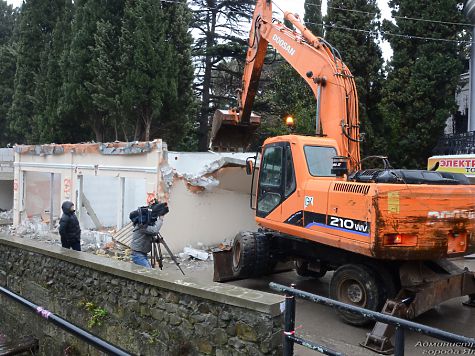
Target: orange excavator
(387, 234)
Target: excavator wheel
(390, 285)
(301, 267)
(264, 262)
(251, 255)
(244, 254)
(357, 285)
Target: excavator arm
(317, 62)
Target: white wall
(102, 193)
(38, 193)
(134, 196)
(209, 217)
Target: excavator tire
(357, 285)
(251, 255)
(244, 254)
(389, 285)
(264, 263)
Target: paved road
(320, 323)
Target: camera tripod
(156, 256)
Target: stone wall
(147, 312)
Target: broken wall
(207, 217)
(95, 177)
(208, 193)
(208, 199)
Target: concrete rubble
(6, 214)
(195, 253)
(102, 243)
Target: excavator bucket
(229, 134)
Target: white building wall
(208, 193)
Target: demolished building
(208, 193)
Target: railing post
(399, 342)
(289, 323)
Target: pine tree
(419, 93)
(220, 36)
(361, 53)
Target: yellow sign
(462, 164)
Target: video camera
(148, 215)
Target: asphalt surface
(322, 325)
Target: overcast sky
(296, 6)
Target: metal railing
(401, 325)
(456, 143)
(91, 339)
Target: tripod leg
(160, 259)
(153, 255)
(162, 240)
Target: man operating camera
(147, 223)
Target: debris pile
(34, 228)
(102, 243)
(6, 214)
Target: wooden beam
(90, 211)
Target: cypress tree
(419, 94)
(78, 103)
(313, 16)
(52, 125)
(360, 51)
(146, 60)
(38, 18)
(8, 18)
(104, 86)
(179, 111)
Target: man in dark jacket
(69, 229)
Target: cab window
(289, 173)
(272, 167)
(270, 181)
(320, 160)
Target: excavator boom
(317, 62)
